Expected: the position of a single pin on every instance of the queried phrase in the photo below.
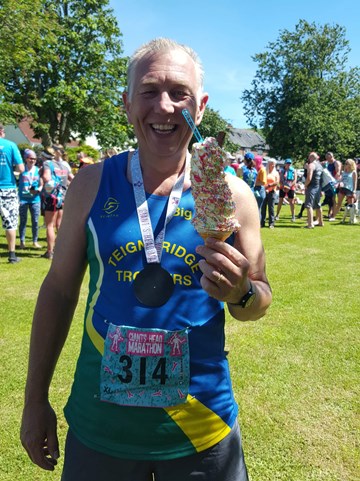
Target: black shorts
(289, 193)
(345, 191)
(49, 204)
(223, 462)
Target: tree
(71, 73)
(212, 124)
(302, 96)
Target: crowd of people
(42, 182)
(36, 184)
(324, 182)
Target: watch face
(250, 300)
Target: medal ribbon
(153, 247)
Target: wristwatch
(247, 299)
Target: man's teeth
(163, 127)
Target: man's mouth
(163, 128)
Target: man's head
(329, 156)
(161, 45)
(164, 78)
(312, 157)
(288, 163)
(2, 131)
(249, 157)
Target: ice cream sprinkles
(214, 206)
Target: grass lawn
(296, 372)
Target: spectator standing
(272, 182)
(30, 187)
(347, 186)
(288, 179)
(260, 181)
(10, 160)
(302, 208)
(56, 175)
(228, 168)
(248, 171)
(148, 414)
(313, 191)
(334, 167)
(357, 161)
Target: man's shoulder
(9, 144)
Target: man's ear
(201, 109)
(127, 104)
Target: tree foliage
(64, 69)
(212, 124)
(303, 95)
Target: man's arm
(228, 270)
(338, 169)
(54, 311)
(310, 171)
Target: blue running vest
(115, 255)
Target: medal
(153, 286)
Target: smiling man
(152, 397)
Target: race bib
(145, 367)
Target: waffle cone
(216, 234)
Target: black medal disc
(153, 286)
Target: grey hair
(158, 45)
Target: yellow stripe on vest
(202, 426)
(95, 337)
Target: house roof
(248, 139)
(21, 133)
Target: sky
(226, 34)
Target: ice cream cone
(216, 234)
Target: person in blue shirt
(30, 186)
(248, 171)
(10, 160)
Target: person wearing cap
(30, 187)
(228, 168)
(288, 179)
(248, 171)
(313, 191)
(10, 160)
(272, 182)
(56, 175)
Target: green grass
(295, 372)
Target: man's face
(164, 84)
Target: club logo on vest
(111, 205)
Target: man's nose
(165, 103)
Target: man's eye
(148, 93)
(180, 94)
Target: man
(313, 191)
(56, 175)
(288, 179)
(10, 159)
(151, 397)
(334, 167)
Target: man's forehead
(172, 64)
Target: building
(248, 141)
(22, 133)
